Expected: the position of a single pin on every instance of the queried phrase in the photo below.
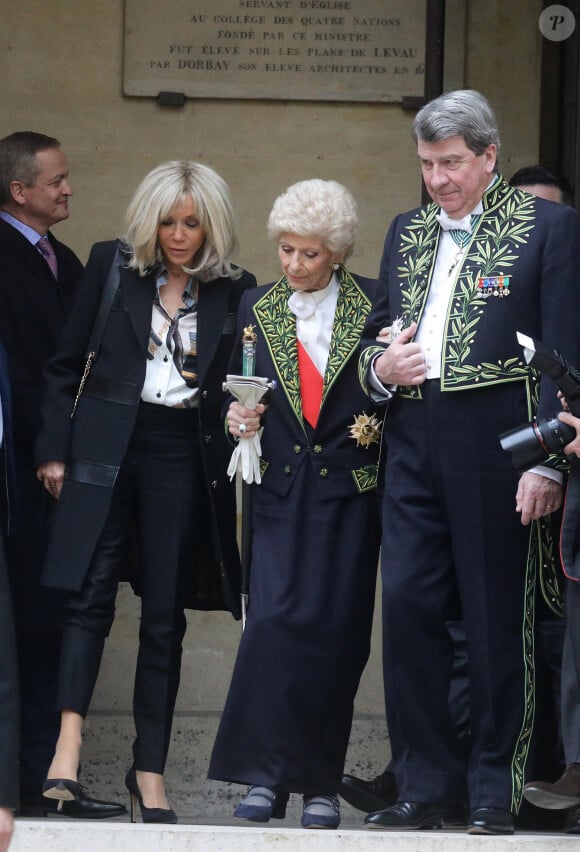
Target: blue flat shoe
(321, 811)
(261, 804)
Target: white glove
(246, 459)
(248, 390)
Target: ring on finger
(242, 428)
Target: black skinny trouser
(157, 494)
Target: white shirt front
(314, 320)
(170, 375)
(432, 326)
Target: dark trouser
(38, 621)
(548, 753)
(157, 494)
(450, 526)
(458, 693)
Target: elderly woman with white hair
(315, 528)
(142, 463)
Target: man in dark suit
(8, 670)
(38, 282)
(461, 276)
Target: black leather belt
(124, 393)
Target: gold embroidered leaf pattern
(550, 572)
(352, 309)
(523, 743)
(491, 253)
(367, 357)
(466, 309)
(544, 545)
(512, 368)
(366, 477)
(278, 326)
(497, 236)
(416, 248)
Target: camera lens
(532, 443)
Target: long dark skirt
(288, 714)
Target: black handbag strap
(107, 298)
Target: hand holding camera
(532, 443)
(573, 448)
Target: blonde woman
(144, 459)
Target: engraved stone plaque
(351, 50)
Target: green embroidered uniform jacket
(341, 467)
(522, 243)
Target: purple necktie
(47, 250)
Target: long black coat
(94, 443)
(33, 309)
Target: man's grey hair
(463, 112)
(18, 159)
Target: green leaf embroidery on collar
(352, 309)
(417, 250)
(492, 253)
(278, 325)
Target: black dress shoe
(68, 798)
(369, 796)
(490, 821)
(414, 816)
(85, 807)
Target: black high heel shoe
(165, 815)
(74, 801)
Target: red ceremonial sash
(310, 386)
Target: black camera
(532, 443)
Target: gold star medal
(365, 430)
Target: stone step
(61, 835)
